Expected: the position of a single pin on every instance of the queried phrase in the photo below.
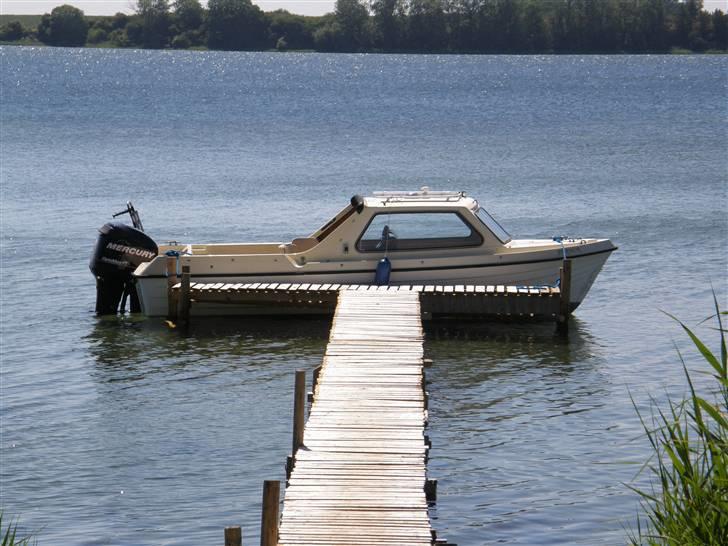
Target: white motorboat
(427, 237)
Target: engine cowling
(120, 248)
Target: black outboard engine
(119, 250)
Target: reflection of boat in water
(428, 238)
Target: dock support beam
(269, 517)
(233, 536)
(299, 408)
(171, 267)
(431, 491)
(183, 307)
(565, 297)
(314, 379)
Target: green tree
(507, 26)
(181, 41)
(564, 26)
(720, 30)
(702, 32)
(462, 21)
(330, 36)
(426, 28)
(685, 18)
(389, 18)
(607, 26)
(119, 38)
(235, 25)
(188, 14)
(156, 19)
(65, 26)
(187, 27)
(96, 35)
(100, 30)
(12, 31)
(134, 33)
(119, 21)
(535, 35)
(352, 18)
(653, 25)
(290, 31)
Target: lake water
(120, 431)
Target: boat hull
(523, 272)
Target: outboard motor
(119, 250)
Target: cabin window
(417, 231)
(493, 225)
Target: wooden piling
(299, 405)
(183, 305)
(233, 536)
(431, 490)
(269, 517)
(565, 295)
(289, 468)
(171, 268)
(316, 372)
(314, 380)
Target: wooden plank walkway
(360, 477)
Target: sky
(109, 7)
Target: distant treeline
(477, 26)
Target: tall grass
(9, 534)
(687, 504)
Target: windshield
(325, 230)
(493, 225)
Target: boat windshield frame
(498, 231)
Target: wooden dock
(543, 302)
(360, 476)
(357, 474)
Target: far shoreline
(672, 52)
(365, 27)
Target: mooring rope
(560, 239)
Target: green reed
(688, 501)
(9, 534)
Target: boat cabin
(387, 222)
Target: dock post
(565, 296)
(431, 491)
(171, 267)
(315, 374)
(183, 305)
(314, 380)
(299, 405)
(269, 517)
(233, 536)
